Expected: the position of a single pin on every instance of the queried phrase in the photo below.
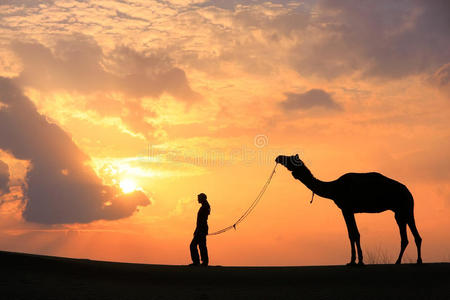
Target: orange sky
(115, 115)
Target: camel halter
(250, 209)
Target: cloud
(381, 39)
(76, 63)
(325, 39)
(378, 39)
(441, 78)
(428, 163)
(4, 178)
(61, 187)
(308, 100)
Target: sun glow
(128, 185)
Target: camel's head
(290, 162)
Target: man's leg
(203, 249)
(194, 251)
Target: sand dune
(26, 276)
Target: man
(200, 233)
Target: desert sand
(26, 276)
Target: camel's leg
(417, 238)
(358, 245)
(347, 217)
(354, 236)
(404, 237)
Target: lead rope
(312, 198)
(250, 209)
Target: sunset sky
(115, 115)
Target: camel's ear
(296, 156)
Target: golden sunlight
(128, 185)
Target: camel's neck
(321, 188)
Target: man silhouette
(200, 233)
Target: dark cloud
(123, 15)
(4, 178)
(310, 99)
(382, 39)
(25, 3)
(370, 39)
(61, 187)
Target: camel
(358, 193)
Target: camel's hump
(369, 178)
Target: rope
(250, 209)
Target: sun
(127, 185)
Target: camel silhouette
(358, 193)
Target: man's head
(201, 198)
